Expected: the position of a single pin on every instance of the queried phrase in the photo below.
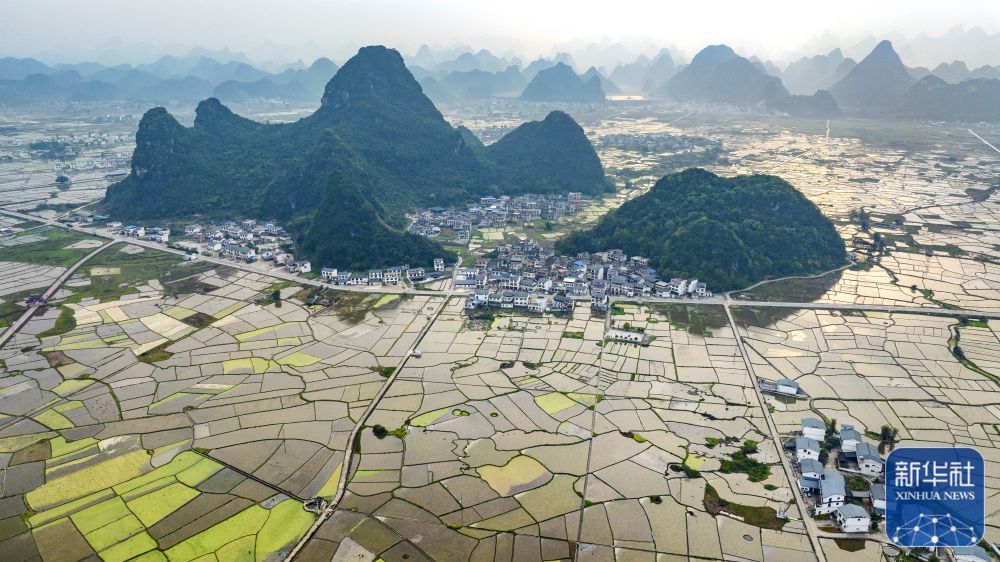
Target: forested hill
(376, 141)
(549, 156)
(728, 232)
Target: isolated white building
(852, 519)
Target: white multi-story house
(832, 492)
(811, 468)
(806, 448)
(869, 461)
(852, 518)
(813, 428)
(520, 299)
(849, 438)
(236, 252)
(438, 264)
(392, 276)
(329, 274)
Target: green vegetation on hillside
(728, 232)
(342, 178)
(549, 156)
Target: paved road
(278, 272)
(809, 522)
(984, 140)
(345, 470)
(20, 322)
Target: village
(528, 275)
(494, 212)
(524, 274)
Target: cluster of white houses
(526, 275)
(827, 485)
(377, 277)
(494, 212)
(153, 234)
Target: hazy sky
(73, 29)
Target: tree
(62, 179)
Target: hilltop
(876, 83)
(560, 84)
(341, 178)
(728, 232)
(719, 75)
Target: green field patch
(181, 462)
(157, 556)
(55, 250)
(114, 532)
(60, 446)
(229, 310)
(332, 483)
(255, 365)
(88, 480)
(423, 420)
(53, 420)
(168, 399)
(199, 472)
(95, 271)
(298, 359)
(585, 399)
(47, 516)
(285, 524)
(270, 332)
(77, 338)
(521, 473)
(367, 473)
(154, 506)
(148, 488)
(386, 300)
(66, 388)
(178, 312)
(553, 402)
(694, 460)
(68, 406)
(89, 344)
(245, 523)
(72, 370)
(288, 341)
(242, 548)
(129, 549)
(94, 517)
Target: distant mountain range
(342, 178)
(717, 75)
(169, 79)
(807, 75)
